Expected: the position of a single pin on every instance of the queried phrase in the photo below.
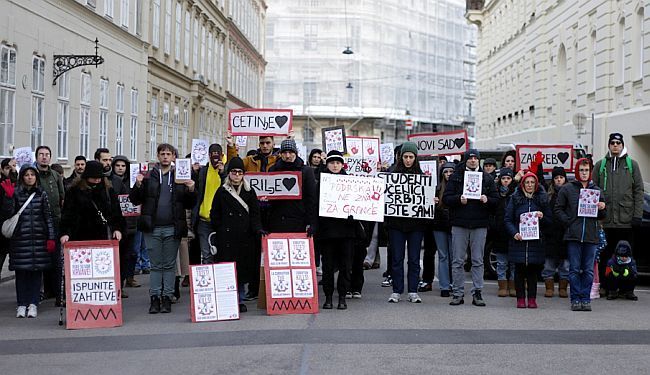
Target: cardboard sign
(409, 195)
(200, 151)
(24, 156)
(529, 226)
(342, 196)
(213, 292)
(273, 122)
(93, 291)
(444, 143)
(387, 155)
(290, 274)
(363, 156)
(554, 156)
(588, 202)
(241, 141)
(302, 151)
(357, 166)
(334, 139)
(128, 209)
(430, 168)
(473, 185)
(276, 185)
(182, 170)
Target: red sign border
(275, 134)
(278, 197)
(442, 133)
(192, 312)
(539, 148)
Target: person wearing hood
(499, 235)
(442, 231)
(32, 242)
(621, 273)
(620, 180)
(469, 221)
(527, 254)
(235, 218)
(316, 162)
(556, 257)
(291, 215)
(581, 234)
(490, 167)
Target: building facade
(409, 60)
(547, 67)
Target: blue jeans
(443, 242)
(502, 267)
(399, 242)
(142, 261)
(203, 230)
(163, 247)
(581, 269)
(551, 264)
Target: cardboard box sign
(276, 185)
(273, 122)
(443, 143)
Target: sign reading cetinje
(553, 156)
(276, 185)
(270, 122)
(444, 143)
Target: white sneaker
(415, 298)
(394, 298)
(32, 311)
(348, 295)
(20, 311)
(356, 295)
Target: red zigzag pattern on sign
(100, 312)
(286, 305)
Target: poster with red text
(290, 272)
(92, 278)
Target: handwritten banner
(553, 156)
(213, 292)
(258, 122)
(334, 139)
(443, 143)
(276, 185)
(529, 226)
(409, 195)
(344, 195)
(128, 209)
(588, 202)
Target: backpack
(603, 171)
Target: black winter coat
(553, 235)
(530, 251)
(237, 230)
(581, 229)
(80, 219)
(474, 214)
(406, 224)
(28, 250)
(333, 228)
(148, 194)
(441, 221)
(121, 187)
(497, 232)
(293, 216)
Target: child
(621, 273)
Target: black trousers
(429, 257)
(526, 273)
(621, 284)
(359, 256)
(613, 235)
(337, 253)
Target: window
(639, 46)
(203, 44)
(119, 119)
(195, 49)
(84, 123)
(124, 12)
(103, 112)
(592, 65)
(210, 76)
(221, 62)
(307, 134)
(155, 29)
(620, 45)
(311, 36)
(175, 125)
(186, 46)
(309, 92)
(133, 139)
(178, 30)
(153, 127)
(63, 116)
(138, 17)
(168, 27)
(165, 123)
(38, 101)
(108, 8)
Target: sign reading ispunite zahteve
(271, 122)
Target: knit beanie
(558, 171)
(288, 145)
(616, 137)
(409, 147)
(335, 155)
(94, 169)
(235, 163)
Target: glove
(636, 222)
(262, 233)
(310, 231)
(8, 187)
(50, 246)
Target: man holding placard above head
(471, 196)
(262, 160)
(579, 206)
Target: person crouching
(621, 273)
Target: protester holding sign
(32, 241)
(528, 255)
(499, 236)
(442, 231)
(235, 218)
(405, 234)
(581, 235)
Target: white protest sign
(200, 151)
(344, 195)
(430, 168)
(241, 141)
(24, 156)
(302, 151)
(552, 156)
(473, 185)
(409, 195)
(444, 143)
(387, 154)
(276, 185)
(363, 156)
(134, 171)
(334, 139)
(588, 202)
(356, 166)
(273, 122)
(182, 170)
(529, 226)
(128, 209)
(213, 292)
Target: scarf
(236, 190)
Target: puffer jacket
(581, 229)
(529, 251)
(35, 226)
(474, 214)
(497, 231)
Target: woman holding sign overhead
(527, 209)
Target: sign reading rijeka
(409, 195)
(213, 292)
(444, 143)
(553, 156)
(92, 274)
(343, 195)
(271, 122)
(276, 185)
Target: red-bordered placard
(92, 279)
(553, 156)
(213, 292)
(290, 272)
(442, 143)
(276, 185)
(260, 121)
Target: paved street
(371, 337)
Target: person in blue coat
(528, 201)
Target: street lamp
(347, 51)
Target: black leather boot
(166, 305)
(177, 289)
(154, 308)
(342, 304)
(328, 303)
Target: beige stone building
(542, 62)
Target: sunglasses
(237, 172)
(615, 142)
